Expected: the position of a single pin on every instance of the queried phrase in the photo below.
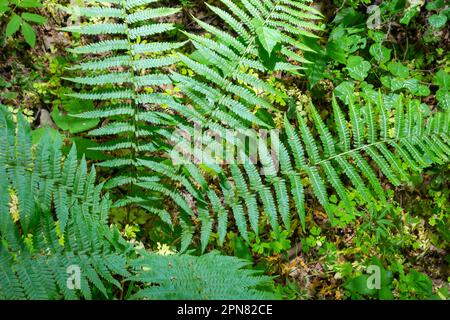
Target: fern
(223, 93)
(396, 141)
(223, 90)
(36, 249)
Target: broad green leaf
(376, 36)
(315, 71)
(358, 68)
(443, 96)
(3, 7)
(442, 79)
(13, 25)
(409, 14)
(72, 124)
(344, 90)
(413, 85)
(359, 285)
(437, 21)
(269, 60)
(84, 148)
(38, 133)
(29, 34)
(422, 90)
(241, 249)
(32, 17)
(434, 5)
(335, 51)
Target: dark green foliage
(127, 80)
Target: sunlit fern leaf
(229, 54)
(208, 277)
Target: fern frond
(229, 54)
(330, 160)
(206, 277)
(129, 112)
(38, 269)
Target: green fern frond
(126, 44)
(348, 152)
(230, 54)
(209, 277)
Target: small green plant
(347, 198)
(19, 17)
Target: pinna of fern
(127, 79)
(396, 141)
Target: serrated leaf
(268, 37)
(13, 25)
(358, 68)
(32, 17)
(29, 34)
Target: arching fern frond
(208, 277)
(52, 217)
(224, 90)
